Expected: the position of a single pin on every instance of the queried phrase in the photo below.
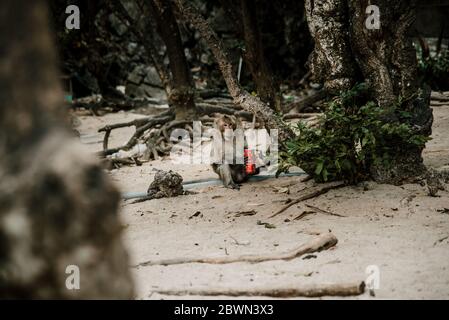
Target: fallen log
(321, 242)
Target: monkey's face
(226, 125)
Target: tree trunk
(183, 92)
(57, 207)
(267, 88)
(346, 52)
(241, 97)
(331, 61)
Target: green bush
(351, 135)
(433, 69)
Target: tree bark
(57, 207)
(266, 85)
(331, 61)
(183, 89)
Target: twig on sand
(303, 214)
(311, 194)
(341, 290)
(238, 243)
(321, 242)
(316, 210)
(440, 240)
(324, 211)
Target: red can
(250, 161)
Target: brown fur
(230, 174)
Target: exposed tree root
(155, 131)
(141, 125)
(208, 109)
(321, 242)
(116, 163)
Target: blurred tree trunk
(346, 52)
(182, 93)
(57, 207)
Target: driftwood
(313, 291)
(311, 194)
(322, 242)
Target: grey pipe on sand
(211, 182)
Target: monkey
(230, 173)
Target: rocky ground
(398, 229)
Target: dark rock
(153, 92)
(117, 25)
(136, 76)
(133, 91)
(143, 90)
(152, 77)
(131, 48)
(166, 184)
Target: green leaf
(319, 168)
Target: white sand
(379, 229)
